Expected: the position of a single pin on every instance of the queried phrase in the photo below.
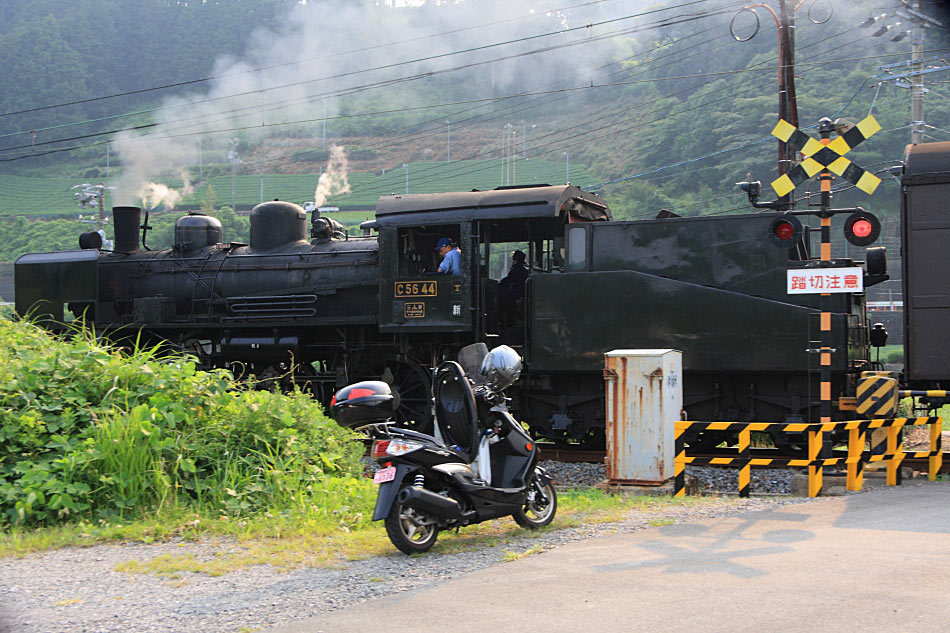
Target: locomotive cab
(487, 226)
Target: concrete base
(693, 487)
(836, 485)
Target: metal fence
(889, 449)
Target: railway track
(550, 451)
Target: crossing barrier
(858, 430)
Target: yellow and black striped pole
(935, 461)
(815, 442)
(745, 464)
(922, 393)
(679, 462)
(855, 478)
(824, 128)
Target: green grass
(889, 354)
(21, 195)
(293, 539)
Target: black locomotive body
(341, 308)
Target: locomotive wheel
(411, 383)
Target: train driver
(511, 288)
(451, 257)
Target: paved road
(877, 561)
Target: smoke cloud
(154, 194)
(322, 56)
(333, 181)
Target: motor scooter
(480, 465)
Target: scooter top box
(363, 403)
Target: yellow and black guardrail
(892, 452)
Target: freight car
(338, 308)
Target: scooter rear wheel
(406, 533)
(539, 507)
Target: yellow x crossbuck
(819, 156)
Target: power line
(391, 66)
(351, 90)
(299, 61)
(441, 173)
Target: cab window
(416, 249)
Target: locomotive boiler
(323, 308)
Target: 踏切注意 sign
(824, 280)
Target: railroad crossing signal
(819, 156)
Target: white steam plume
(333, 181)
(304, 51)
(155, 193)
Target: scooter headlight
(401, 447)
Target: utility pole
(324, 124)
(917, 81)
(524, 140)
(788, 106)
(233, 157)
(448, 141)
(787, 103)
(514, 157)
(101, 220)
(918, 22)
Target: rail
(891, 452)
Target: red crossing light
(785, 231)
(862, 228)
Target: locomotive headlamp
(785, 231)
(862, 228)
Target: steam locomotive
(323, 308)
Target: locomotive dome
(276, 224)
(196, 231)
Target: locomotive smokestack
(127, 221)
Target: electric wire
(350, 91)
(398, 64)
(300, 61)
(442, 173)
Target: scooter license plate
(384, 475)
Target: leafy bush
(88, 431)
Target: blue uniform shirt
(452, 263)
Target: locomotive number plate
(414, 310)
(417, 288)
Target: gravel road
(78, 590)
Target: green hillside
(52, 196)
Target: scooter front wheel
(540, 505)
(410, 530)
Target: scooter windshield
(470, 358)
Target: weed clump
(91, 432)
